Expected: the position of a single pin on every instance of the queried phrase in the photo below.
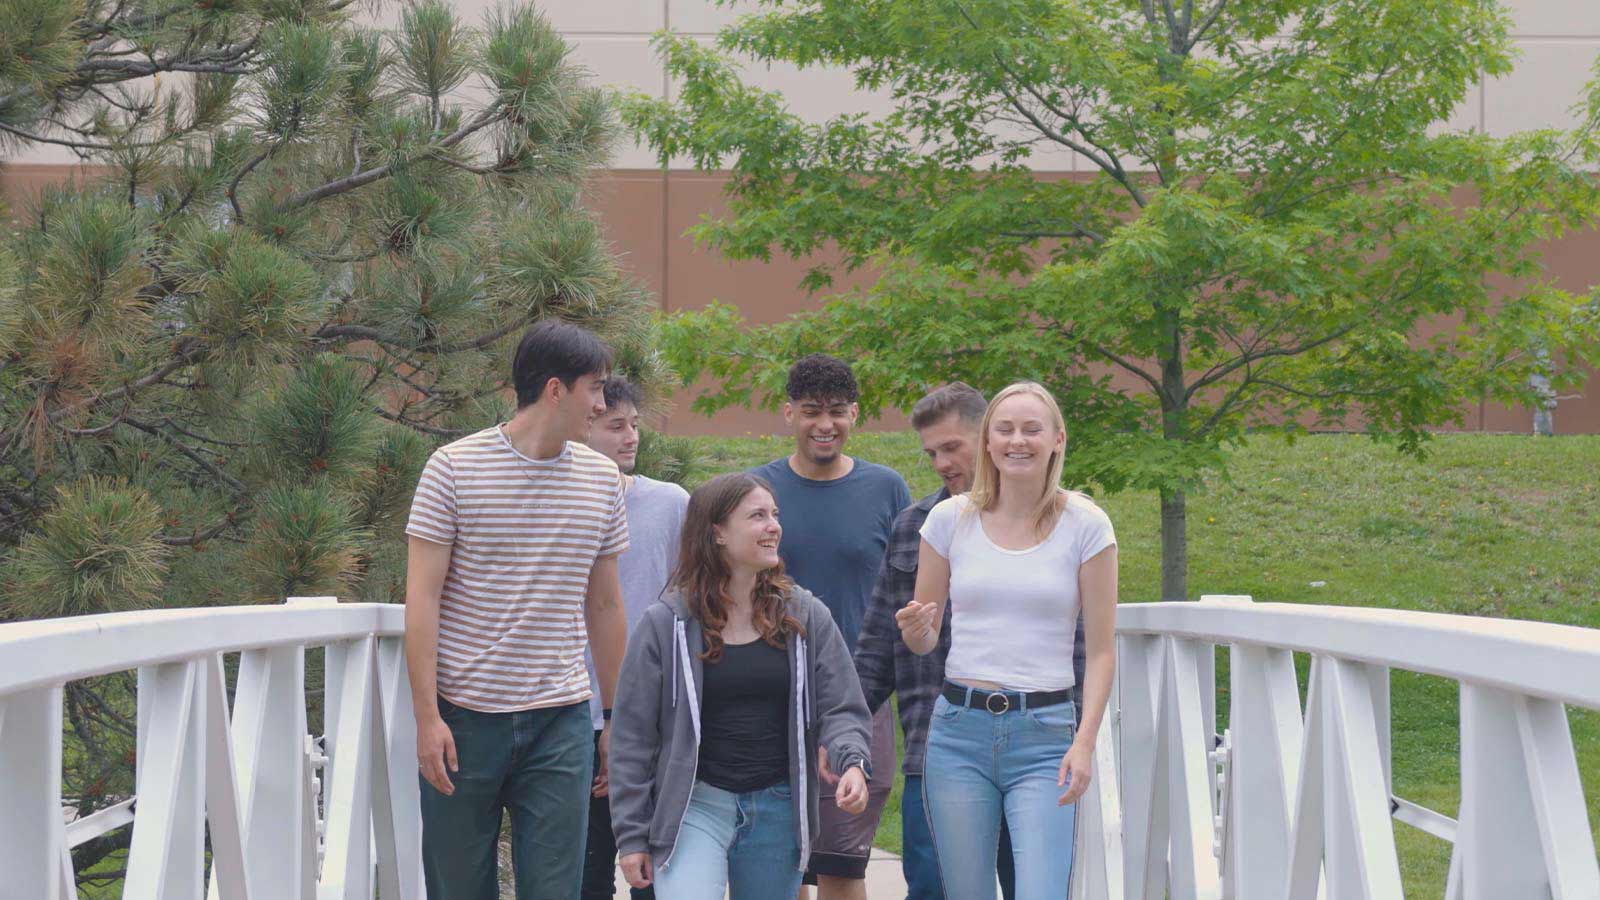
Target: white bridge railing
(1293, 804)
(1286, 804)
(286, 817)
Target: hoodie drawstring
(688, 678)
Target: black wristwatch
(606, 714)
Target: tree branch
(199, 537)
(425, 429)
(1102, 158)
(362, 179)
(184, 357)
(1221, 372)
(233, 186)
(1120, 361)
(367, 333)
(1079, 232)
(194, 456)
(1208, 19)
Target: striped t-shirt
(524, 534)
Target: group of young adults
(695, 686)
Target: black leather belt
(998, 702)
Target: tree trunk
(1174, 547)
(1174, 427)
(1544, 413)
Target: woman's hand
(636, 869)
(1078, 766)
(851, 795)
(916, 623)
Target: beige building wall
(647, 208)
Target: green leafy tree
(301, 262)
(1274, 214)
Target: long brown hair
(702, 573)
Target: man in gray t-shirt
(655, 517)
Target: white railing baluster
(269, 727)
(1097, 864)
(1557, 792)
(347, 857)
(69, 878)
(1192, 867)
(166, 856)
(1137, 656)
(400, 741)
(1265, 728)
(1306, 834)
(1360, 854)
(144, 704)
(1524, 831)
(230, 879)
(32, 834)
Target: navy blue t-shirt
(835, 533)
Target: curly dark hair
(620, 390)
(822, 378)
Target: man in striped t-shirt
(512, 573)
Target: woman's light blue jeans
(980, 764)
(744, 844)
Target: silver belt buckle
(1005, 703)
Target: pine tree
(300, 261)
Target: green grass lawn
(1488, 525)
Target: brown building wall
(647, 212)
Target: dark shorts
(842, 850)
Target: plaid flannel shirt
(887, 666)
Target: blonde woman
(1018, 558)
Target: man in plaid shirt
(947, 420)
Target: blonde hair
(985, 493)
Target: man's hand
(851, 795)
(436, 753)
(636, 869)
(602, 774)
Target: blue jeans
(538, 764)
(980, 767)
(744, 844)
(920, 862)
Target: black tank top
(744, 718)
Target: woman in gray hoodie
(736, 692)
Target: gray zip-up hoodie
(655, 723)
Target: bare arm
(608, 639)
(608, 626)
(920, 620)
(1097, 586)
(426, 565)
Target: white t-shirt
(1013, 612)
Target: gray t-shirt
(655, 518)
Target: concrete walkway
(884, 881)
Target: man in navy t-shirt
(837, 514)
